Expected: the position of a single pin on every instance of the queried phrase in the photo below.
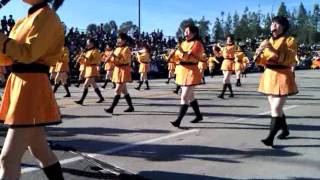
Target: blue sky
(162, 14)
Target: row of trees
(305, 25)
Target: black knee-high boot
(168, 81)
(230, 89)
(97, 90)
(114, 85)
(238, 83)
(284, 127)
(139, 86)
(66, 87)
(203, 80)
(54, 172)
(147, 84)
(177, 89)
(129, 102)
(105, 83)
(275, 126)
(113, 105)
(182, 113)
(84, 94)
(56, 86)
(195, 106)
(80, 81)
(211, 74)
(224, 88)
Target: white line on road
(117, 149)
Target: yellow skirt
(188, 75)
(227, 65)
(28, 101)
(91, 71)
(108, 66)
(62, 67)
(144, 68)
(202, 66)
(121, 74)
(279, 82)
(238, 66)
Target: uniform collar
(36, 7)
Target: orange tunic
(122, 62)
(28, 98)
(203, 63)
(144, 60)
(278, 79)
(109, 66)
(228, 54)
(187, 72)
(63, 63)
(92, 59)
(240, 61)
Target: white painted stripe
(117, 149)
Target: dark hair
(94, 42)
(231, 37)
(194, 30)
(128, 40)
(283, 21)
(56, 4)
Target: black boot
(211, 74)
(285, 130)
(80, 81)
(203, 80)
(139, 86)
(275, 126)
(230, 89)
(177, 89)
(167, 82)
(97, 90)
(85, 92)
(113, 105)
(183, 111)
(114, 85)
(56, 86)
(195, 106)
(66, 87)
(129, 102)
(224, 88)
(147, 84)
(54, 172)
(238, 84)
(105, 83)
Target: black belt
(144, 63)
(269, 66)
(188, 63)
(30, 68)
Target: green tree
(218, 30)
(282, 11)
(92, 27)
(203, 25)
(228, 25)
(128, 27)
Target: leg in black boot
(285, 130)
(56, 86)
(105, 83)
(139, 86)
(85, 92)
(147, 84)
(114, 85)
(167, 82)
(129, 102)
(97, 90)
(183, 111)
(238, 81)
(224, 88)
(230, 89)
(113, 105)
(177, 89)
(66, 87)
(54, 172)
(195, 106)
(275, 126)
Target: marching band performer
(171, 66)
(80, 61)
(91, 59)
(122, 72)
(62, 70)
(241, 61)
(28, 105)
(277, 55)
(188, 73)
(143, 57)
(108, 66)
(203, 65)
(212, 61)
(228, 52)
